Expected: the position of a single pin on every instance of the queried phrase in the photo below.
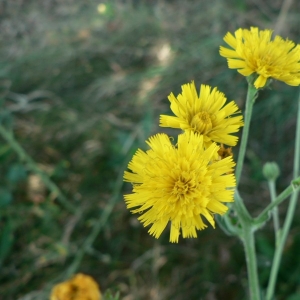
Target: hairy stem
(289, 217)
(251, 96)
(294, 186)
(250, 252)
(247, 232)
(276, 222)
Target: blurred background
(82, 85)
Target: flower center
(201, 122)
(263, 65)
(180, 188)
(184, 186)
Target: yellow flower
(179, 184)
(80, 287)
(255, 52)
(205, 114)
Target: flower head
(179, 184)
(80, 287)
(205, 114)
(255, 52)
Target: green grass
(82, 91)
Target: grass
(82, 91)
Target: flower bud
(271, 170)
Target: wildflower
(179, 184)
(255, 52)
(205, 114)
(80, 287)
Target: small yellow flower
(80, 287)
(255, 52)
(205, 114)
(179, 184)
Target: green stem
(293, 187)
(247, 234)
(289, 217)
(247, 237)
(251, 96)
(240, 208)
(249, 245)
(32, 165)
(276, 222)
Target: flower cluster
(182, 184)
